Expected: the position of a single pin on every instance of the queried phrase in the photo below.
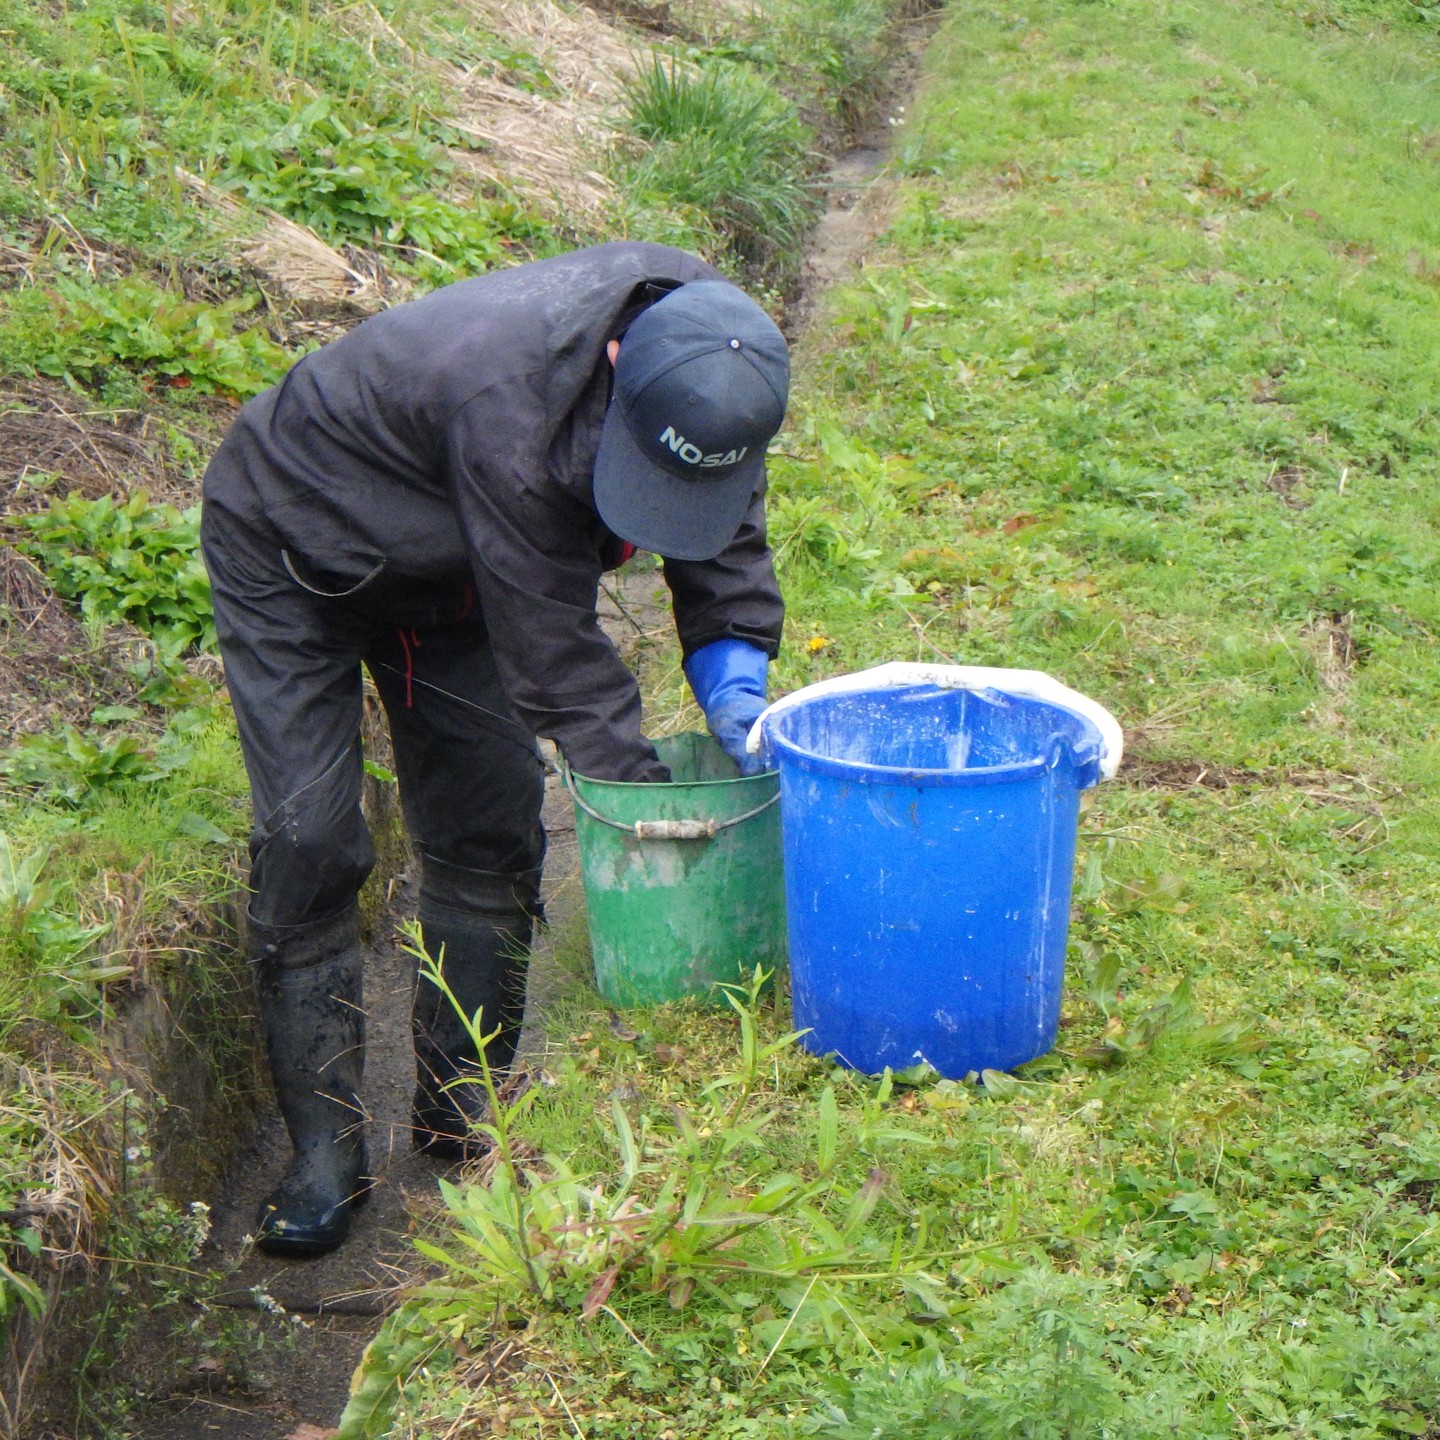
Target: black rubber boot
(311, 1010)
(478, 926)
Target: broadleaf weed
(128, 560)
(78, 328)
(42, 945)
(687, 1215)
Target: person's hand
(730, 725)
(728, 678)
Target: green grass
(116, 837)
(331, 121)
(834, 58)
(1138, 390)
(723, 146)
(730, 150)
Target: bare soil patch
(51, 671)
(19, 264)
(856, 210)
(1287, 481)
(56, 442)
(1178, 774)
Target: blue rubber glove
(728, 678)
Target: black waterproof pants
(471, 778)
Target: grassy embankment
(159, 160)
(1139, 389)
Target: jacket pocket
(336, 584)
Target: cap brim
(657, 511)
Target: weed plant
(128, 561)
(835, 59)
(374, 187)
(47, 972)
(113, 97)
(108, 105)
(699, 1210)
(77, 329)
(723, 145)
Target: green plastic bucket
(683, 882)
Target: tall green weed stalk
(723, 144)
(681, 1220)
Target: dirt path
(289, 1378)
(851, 219)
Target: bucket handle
(662, 829)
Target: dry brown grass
(51, 671)
(53, 441)
(293, 256)
(71, 1175)
(71, 1183)
(1332, 644)
(544, 146)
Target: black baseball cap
(700, 389)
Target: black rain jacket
(454, 437)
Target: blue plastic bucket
(929, 842)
